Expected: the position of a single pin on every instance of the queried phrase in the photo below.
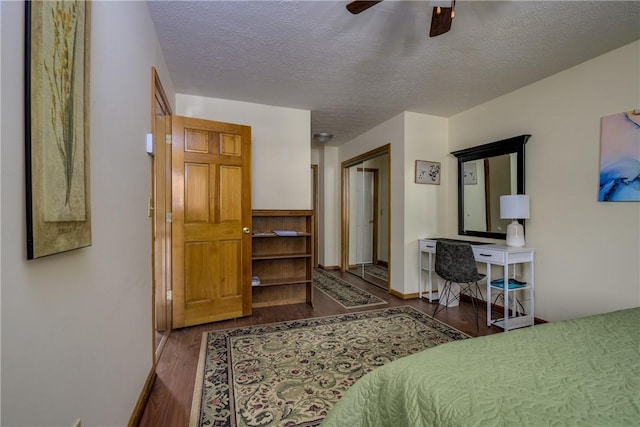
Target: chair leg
(445, 297)
(446, 291)
(478, 292)
(473, 295)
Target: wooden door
(211, 219)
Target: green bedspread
(581, 372)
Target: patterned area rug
(343, 293)
(292, 373)
(377, 271)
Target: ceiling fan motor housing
(440, 18)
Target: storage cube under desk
(489, 254)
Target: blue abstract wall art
(620, 158)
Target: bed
(583, 372)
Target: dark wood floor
(170, 400)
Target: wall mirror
(485, 173)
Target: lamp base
(515, 234)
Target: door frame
(345, 202)
(159, 247)
(315, 202)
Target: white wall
(425, 204)
(329, 207)
(280, 147)
(76, 327)
(587, 252)
(315, 155)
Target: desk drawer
(427, 245)
(485, 254)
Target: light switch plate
(149, 148)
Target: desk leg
(531, 293)
(419, 273)
(429, 276)
(506, 297)
(488, 294)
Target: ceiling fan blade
(440, 22)
(356, 7)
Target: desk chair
(455, 263)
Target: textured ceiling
(355, 71)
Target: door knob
(246, 230)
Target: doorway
(159, 206)
(366, 216)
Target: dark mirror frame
(498, 148)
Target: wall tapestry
(620, 157)
(57, 126)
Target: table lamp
(515, 207)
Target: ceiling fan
(440, 19)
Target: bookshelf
(282, 256)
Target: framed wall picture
(427, 172)
(620, 157)
(57, 126)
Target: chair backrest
(455, 262)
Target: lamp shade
(515, 206)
